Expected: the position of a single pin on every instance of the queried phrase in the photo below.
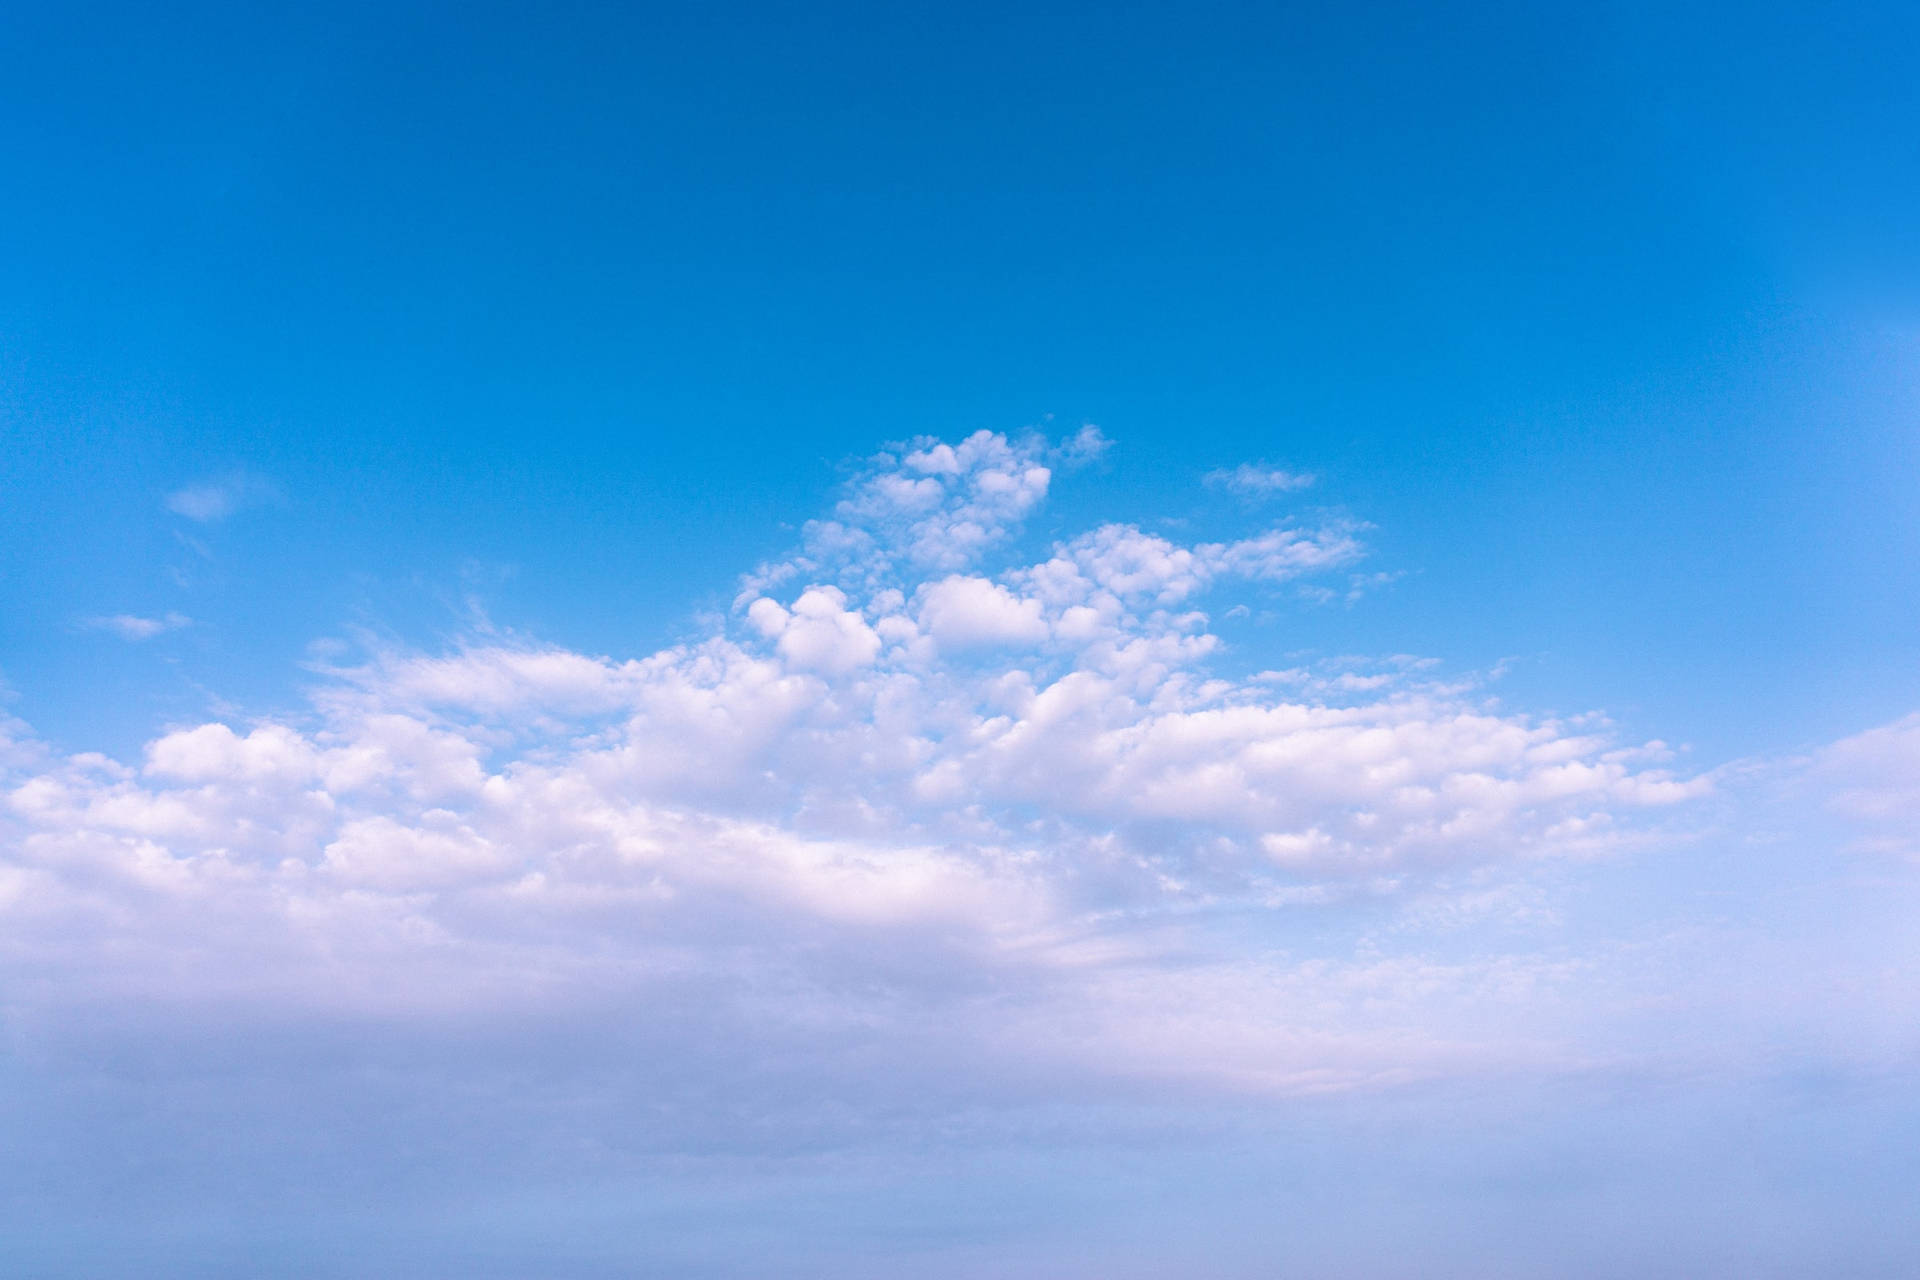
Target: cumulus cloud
(960, 612)
(913, 767)
(819, 633)
(129, 626)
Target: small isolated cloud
(129, 626)
(1362, 583)
(212, 500)
(1089, 444)
(1258, 480)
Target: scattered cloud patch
(1087, 445)
(1258, 480)
(209, 501)
(129, 626)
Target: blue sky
(909, 638)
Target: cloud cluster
(910, 770)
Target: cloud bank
(916, 790)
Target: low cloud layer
(915, 790)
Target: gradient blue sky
(387, 380)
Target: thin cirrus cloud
(213, 500)
(1875, 785)
(1011, 794)
(1258, 480)
(134, 627)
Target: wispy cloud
(1089, 444)
(129, 626)
(1874, 780)
(209, 500)
(1258, 480)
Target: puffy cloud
(1280, 554)
(923, 506)
(1133, 566)
(824, 635)
(907, 774)
(819, 633)
(964, 612)
(214, 752)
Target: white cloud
(499, 680)
(209, 500)
(133, 627)
(1873, 780)
(1257, 480)
(379, 853)
(819, 633)
(923, 506)
(1280, 554)
(965, 612)
(1089, 444)
(215, 753)
(901, 775)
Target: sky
(1044, 640)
